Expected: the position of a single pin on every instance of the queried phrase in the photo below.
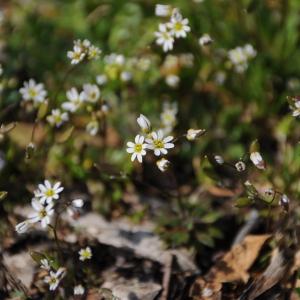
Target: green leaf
(7, 128)
(37, 256)
(42, 110)
(3, 195)
(243, 201)
(65, 135)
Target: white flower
(168, 117)
(144, 123)
(172, 80)
(257, 160)
(158, 143)
(205, 40)
(45, 264)
(90, 93)
(54, 278)
(138, 148)
(101, 79)
(78, 290)
(93, 52)
(126, 76)
(240, 55)
(162, 10)
(250, 51)
(77, 55)
(78, 203)
(163, 164)
(164, 38)
(47, 193)
(296, 111)
(57, 117)
(240, 166)
(85, 253)
(43, 213)
(115, 59)
(22, 227)
(192, 134)
(219, 159)
(33, 91)
(75, 100)
(178, 26)
(92, 127)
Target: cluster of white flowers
(89, 95)
(83, 50)
(43, 205)
(176, 27)
(54, 276)
(32, 91)
(240, 56)
(155, 141)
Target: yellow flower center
(158, 144)
(43, 213)
(49, 193)
(53, 280)
(178, 26)
(32, 93)
(138, 148)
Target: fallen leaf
(236, 263)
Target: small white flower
(47, 193)
(77, 55)
(54, 278)
(296, 110)
(158, 143)
(163, 164)
(138, 148)
(179, 27)
(162, 10)
(43, 213)
(205, 40)
(85, 254)
(45, 264)
(78, 203)
(33, 91)
(75, 100)
(257, 160)
(93, 52)
(57, 117)
(172, 80)
(250, 51)
(101, 79)
(22, 227)
(125, 76)
(168, 117)
(78, 290)
(144, 123)
(92, 127)
(193, 134)
(90, 93)
(164, 38)
(219, 159)
(240, 166)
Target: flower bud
(219, 159)
(205, 40)
(257, 160)
(192, 134)
(284, 202)
(240, 166)
(163, 164)
(22, 227)
(144, 123)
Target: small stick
(167, 277)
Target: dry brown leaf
(203, 290)
(236, 263)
